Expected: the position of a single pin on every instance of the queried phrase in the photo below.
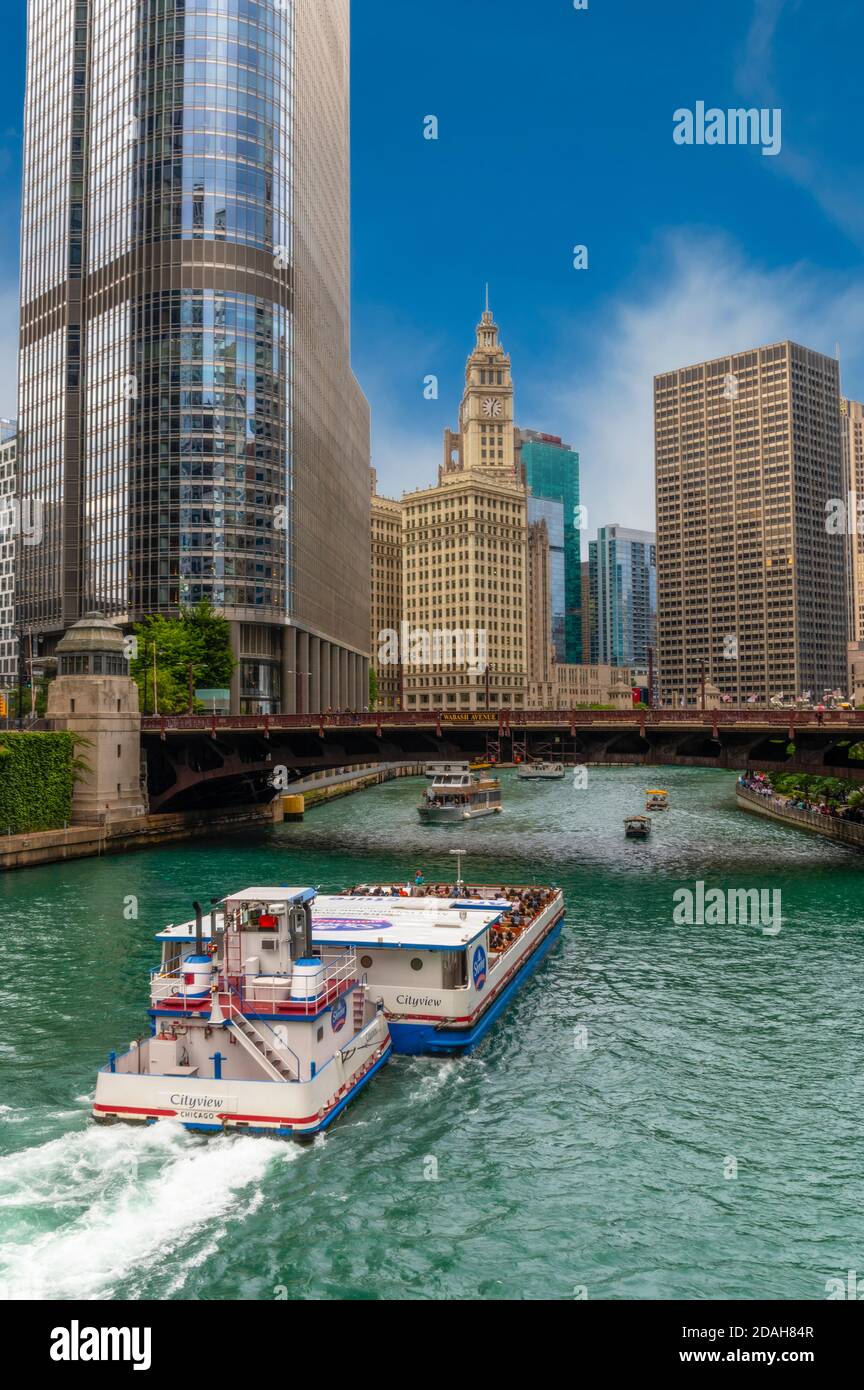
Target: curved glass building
(189, 424)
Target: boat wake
(97, 1208)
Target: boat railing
(171, 984)
(340, 971)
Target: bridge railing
(504, 720)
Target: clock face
(492, 408)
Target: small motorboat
(637, 827)
(539, 771)
(657, 799)
(460, 796)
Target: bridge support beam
(289, 670)
(315, 705)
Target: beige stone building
(386, 610)
(748, 452)
(852, 413)
(855, 673)
(464, 554)
(554, 685)
(593, 685)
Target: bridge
(200, 761)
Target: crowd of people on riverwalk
(759, 783)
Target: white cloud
(833, 184)
(704, 300)
(754, 68)
(404, 458)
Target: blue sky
(555, 129)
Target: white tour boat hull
(291, 1109)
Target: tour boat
(252, 1028)
(446, 769)
(637, 827)
(658, 800)
(538, 771)
(444, 963)
(436, 964)
(457, 796)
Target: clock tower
(486, 436)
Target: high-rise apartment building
(589, 624)
(188, 419)
(9, 539)
(852, 514)
(551, 471)
(749, 452)
(623, 595)
(386, 597)
(539, 605)
(464, 553)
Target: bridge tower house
(94, 696)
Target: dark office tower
(189, 424)
(751, 584)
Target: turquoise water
(559, 1166)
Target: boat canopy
(401, 924)
(428, 922)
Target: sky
(555, 129)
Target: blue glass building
(189, 420)
(623, 582)
(552, 477)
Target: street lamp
(460, 853)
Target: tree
(197, 643)
(16, 698)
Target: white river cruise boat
(446, 769)
(252, 1027)
(445, 961)
(538, 771)
(459, 796)
(434, 965)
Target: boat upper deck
(429, 924)
(425, 918)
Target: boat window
(321, 1034)
(454, 969)
(366, 962)
(416, 963)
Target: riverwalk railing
(834, 827)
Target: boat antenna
(459, 854)
(199, 929)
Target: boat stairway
(275, 1062)
(359, 1008)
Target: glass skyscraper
(623, 580)
(189, 424)
(552, 478)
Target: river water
(665, 1112)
